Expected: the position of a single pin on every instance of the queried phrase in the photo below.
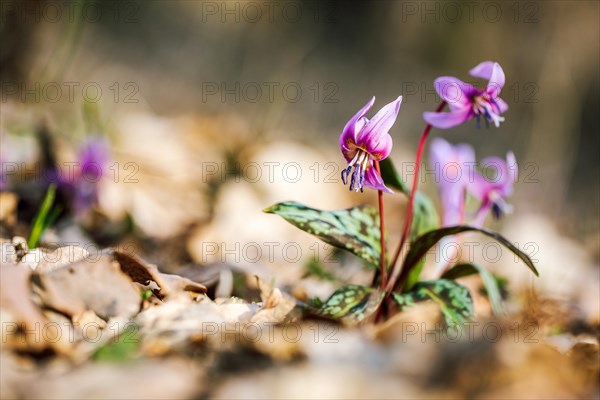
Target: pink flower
(456, 176)
(492, 192)
(453, 165)
(364, 141)
(467, 102)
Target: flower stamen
(487, 106)
(361, 164)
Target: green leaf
(489, 282)
(425, 216)
(425, 242)
(425, 219)
(316, 268)
(355, 229)
(121, 348)
(41, 220)
(454, 300)
(351, 303)
(391, 177)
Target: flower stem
(381, 232)
(411, 200)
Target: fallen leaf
(99, 286)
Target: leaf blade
(454, 300)
(355, 229)
(425, 242)
(351, 303)
(489, 282)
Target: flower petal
(481, 187)
(452, 185)
(444, 120)
(496, 82)
(440, 152)
(377, 128)
(503, 181)
(354, 125)
(454, 91)
(483, 70)
(502, 106)
(374, 181)
(453, 200)
(513, 168)
(382, 149)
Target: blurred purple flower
(452, 166)
(455, 176)
(92, 162)
(466, 101)
(492, 192)
(364, 141)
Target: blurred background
(203, 113)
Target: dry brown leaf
(18, 309)
(99, 286)
(276, 306)
(143, 273)
(61, 257)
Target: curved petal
(377, 128)
(503, 179)
(453, 200)
(483, 70)
(447, 120)
(382, 149)
(465, 154)
(452, 191)
(355, 123)
(440, 152)
(502, 106)
(349, 146)
(481, 187)
(496, 82)
(454, 91)
(374, 181)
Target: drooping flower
(492, 192)
(453, 166)
(364, 141)
(466, 101)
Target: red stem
(411, 200)
(381, 232)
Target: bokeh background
(213, 111)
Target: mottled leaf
(355, 229)
(351, 303)
(454, 300)
(316, 268)
(425, 242)
(489, 282)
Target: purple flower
(456, 176)
(492, 192)
(83, 184)
(364, 141)
(453, 166)
(466, 101)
